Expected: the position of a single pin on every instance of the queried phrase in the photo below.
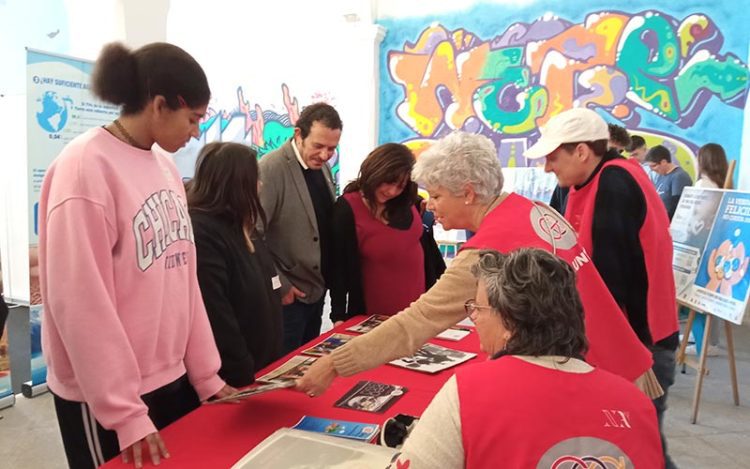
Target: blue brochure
(353, 430)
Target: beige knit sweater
(437, 309)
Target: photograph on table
(454, 333)
(342, 428)
(291, 370)
(370, 396)
(329, 345)
(368, 324)
(431, 358)
(245, 393)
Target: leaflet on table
(245, 393)
(711, 235)
(454, 333)
(291, 370)
(330, 344)
(342, 428)
(431, 358)
(289, 448)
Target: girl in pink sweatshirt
(128, 345)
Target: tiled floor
(721, 439)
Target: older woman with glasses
(462, 174)
(536, 403)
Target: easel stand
(701, 366)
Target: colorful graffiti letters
(623, 64)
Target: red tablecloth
(218, 435)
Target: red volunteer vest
(392, 260)
(655, 239)
(519, 223)
(515, 414)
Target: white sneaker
(712, 351)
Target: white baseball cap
(574, 125)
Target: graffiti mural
(651, 72)
(263, 130)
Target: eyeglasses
(471, 305)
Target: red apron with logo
(520, 223)
(516, 414)
(656, 242)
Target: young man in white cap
(623, 225)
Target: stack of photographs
(328, 345)
(368, 324)
(291, 370)
(431, 358)
(244, 394)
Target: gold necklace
(129, 138)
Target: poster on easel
(60, 107)
(711, 236)
(6, 389)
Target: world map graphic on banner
(503, 72)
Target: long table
(218, 435)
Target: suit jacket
(291, 230)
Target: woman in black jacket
(236, 273)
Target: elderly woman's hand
(318, 377)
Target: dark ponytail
(132, 78)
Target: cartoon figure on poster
(724, 267)
(727, 266)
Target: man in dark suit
(297, 194)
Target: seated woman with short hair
(535, 403)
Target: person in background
(463, 176)
(619, 140)
(670, 179)
(3, 306)
(637, 151)
(297, 198)
(712, 166)
(379, 264)
(624, 226)
(712, 172)
(529, 319)
(126, 338)
(236, 272)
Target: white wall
(319, 49)
(65, 27)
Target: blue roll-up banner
(60, 107)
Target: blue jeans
(664, 369)
(301, 323)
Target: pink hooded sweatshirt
(123, 313)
